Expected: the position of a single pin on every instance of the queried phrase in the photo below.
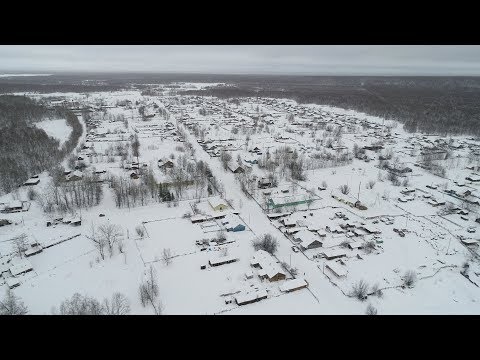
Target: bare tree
(81, 305)
(120, 246)
(12, 305)
(224, 251)
(140, 230)
(344, 189)
(409, 278)
(167, 256)
(359, 290)
(377, 291)
(32, 194)
(136, 146)
(268, 243)
(371, 310)
(98, 242)
(20, 245)
(369, 246)
(221, 236)
(370, 184)
(149, 293)
(111, 234)
(118, 305)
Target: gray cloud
(241, 59)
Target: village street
(252, 214)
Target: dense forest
(25, 149)
(445, 106)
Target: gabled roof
(267, 262)
(306, 237)
(216, 202)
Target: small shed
(239, 227)
(222, 260)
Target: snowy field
(57, 128)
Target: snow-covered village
(167, 201)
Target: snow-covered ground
(56, 128)
(400, 230)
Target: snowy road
(330, 298)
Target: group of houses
(10, 271)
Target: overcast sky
(245, 59)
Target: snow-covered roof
(33, 250)
(306, 237)
(222, 260)
(334, 252)
(32, 181)
(338, 269)
(356, 244)
(246, 297)
(473, 177)
(12, 282)
(335, 228)
(216, 202)
(293, 284)
(292, 230)
(371, 229)
(76, 173)
(15, 204)
(20, 267)
(198, 217)
(267, 262)
(250, 296)
(277, 215)
(289, 221)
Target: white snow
(56, 128)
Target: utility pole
(358, 196)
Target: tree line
(26, 150)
